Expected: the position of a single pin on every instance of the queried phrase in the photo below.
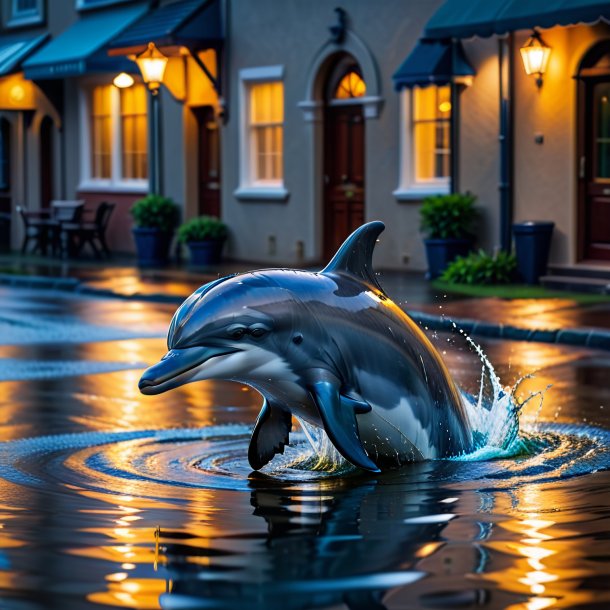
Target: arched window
(350, 86)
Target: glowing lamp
(152, 65)
(123, 80)
(535, 55)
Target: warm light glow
(535, 55)
(17, 93)
(123, 80)
(444, 106)
(351, 86)
(152, 65)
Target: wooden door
(594, 170)
(46, 162)
(343, 174)
(209, 162)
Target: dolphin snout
(170, 371)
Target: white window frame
(18, 18)
(248, 188)
(116, 182)
(409, 188)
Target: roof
(467, 18)
(14, 50)
(195, 24)
(82, 47)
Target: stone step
(582, 270)
(576, 284)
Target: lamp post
(152, 65)
(535, 55)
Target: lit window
(101, 132)
(117, 137)
(350, 86)
(26, 12)
(425, 142)
(133, 131)
(431, 132)
(266, 116)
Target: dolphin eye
(236, 331)
(258, 330)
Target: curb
(578, 337)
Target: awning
(14, 50)
(433, 62)
(82, 48)
(194, 24)
(467, 18)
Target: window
(134, 126)
(350, 86)
(116, 137)
(266, 133)
(25, 12)
(5, 155)
(262, 134)
(425, 142)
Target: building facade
(297, 121)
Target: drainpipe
(454, 129)
(506, 84)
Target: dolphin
(329, 347)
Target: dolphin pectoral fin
(359, 406)
(340, 424)
(270, 434)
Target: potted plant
(205, 237)
(155, 218)
(447, 220)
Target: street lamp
(152, 65)
(535, 55)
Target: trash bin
(532, 245)
(5, 232)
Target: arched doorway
(46, 162)
(343, 152)
(594, 154)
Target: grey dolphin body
(329, 347)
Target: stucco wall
(262, 37)
(546, 174)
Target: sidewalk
(546, 320)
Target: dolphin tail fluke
(340, 424)
(355, 256)
(270, 435)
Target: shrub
(448, 216)
(155, 212)
(202, 228)
(481, 268)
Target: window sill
(255, 193)
(92, 186)
(25, 20)
(419, 193)
(86, 5)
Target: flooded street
(109, 498)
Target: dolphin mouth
(172, 370)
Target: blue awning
(467, 18)
(195, 24)
(433, 62)
(15, 49)
(82, 48)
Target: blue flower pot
(152, 246)
(441, 252)
(207, 252)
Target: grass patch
(519, 291)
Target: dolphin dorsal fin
(355, 256)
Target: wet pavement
(114, 499)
